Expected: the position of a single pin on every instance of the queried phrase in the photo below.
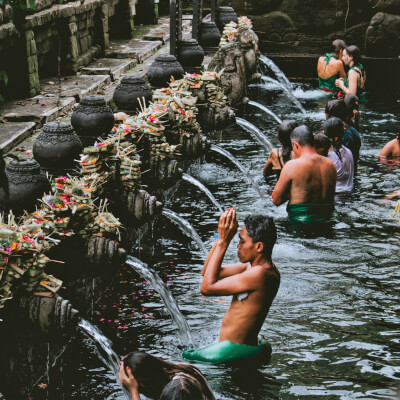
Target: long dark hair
(355, 52)
(284, 131)
(333, 128)
(156, 378)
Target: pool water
(334, 325)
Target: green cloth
(328, 84)
(309, 213)
(359, 69)
(226, 352)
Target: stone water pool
(334, 325)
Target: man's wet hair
(322, 141)
(337, 45)
(336, 108)
(262, 229)
(303, 136)
(284, 131)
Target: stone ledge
(109, 66)
(12, 133)
(74, 86)
(136, 49)
(38, 109)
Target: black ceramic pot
(127, 93)
(57, 146)
(25, 184)
(190, 53)
(209, 34)
(161, 70)
(226, 15)
(92, 118)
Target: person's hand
(339, 83)
(228, 225)
(128, 381)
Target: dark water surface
(334, 325)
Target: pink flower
(101, 319)
(42, 104)
(28, 151)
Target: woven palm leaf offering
(107, 223)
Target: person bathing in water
(140, 372)
(330, 67)
(354, 81)
(308, 182)
(391, 149)
(278, 157)
(253, 283)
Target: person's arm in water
(387, 149)
(212, 284)
(128, 381)
(282, 188)
(269, 165)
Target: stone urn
(190, 53)
(57, 147)
(127, 94)
(209, 34)
(92, 118)
(161, 70)
(25, 185)
(226, 15)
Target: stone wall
(77, 31)
(309, 26)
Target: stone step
(12, 133)
(136, 49)
(109, 66)
(39, 109)
(77, 86)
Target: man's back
(313, 179)
(334, 67)
(247, 313)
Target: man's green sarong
(309, 213)
(226, 352)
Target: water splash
(159, 286)
(196, 182)
(103, 347)
(279, 74)
(185, 227)
(231, 158)
(255, 132)
(288, 92)
(266, 110)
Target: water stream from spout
(186, 228)
(103, 348)
(170, 303)
(268, 79)
(196, 182)
(280, 76)
(266, 110)
(256, 133)
(231, 158)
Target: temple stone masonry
(77, 32)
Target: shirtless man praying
(253, 283)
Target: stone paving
(21, 120)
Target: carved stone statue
(239, 62)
